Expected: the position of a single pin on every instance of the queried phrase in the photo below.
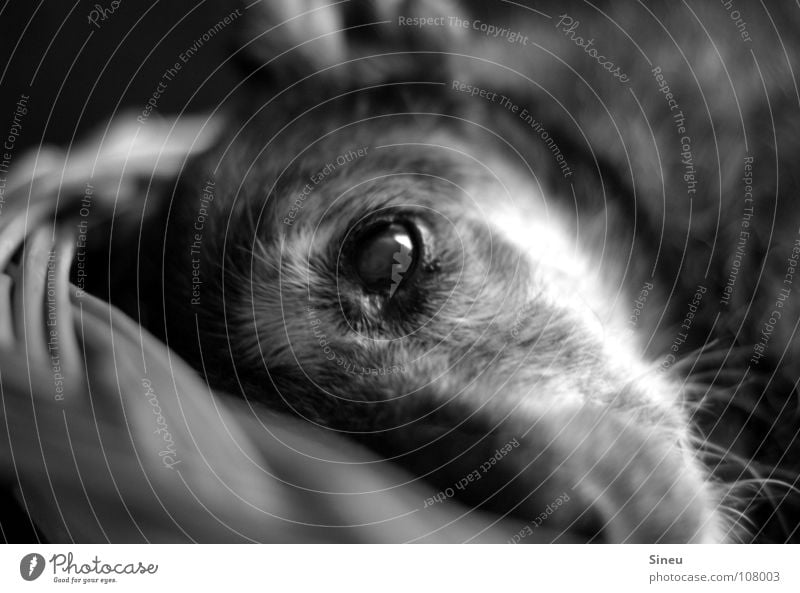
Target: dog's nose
(634, 484)
(589, 473)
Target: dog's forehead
(442, 177)
(474, 200)
(364, 179)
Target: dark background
(77, 75)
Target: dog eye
(385, 255)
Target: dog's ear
(349, 42)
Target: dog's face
(407, 281)
(434, 228)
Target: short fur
(518, 328)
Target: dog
(539, 257)
(419, 251)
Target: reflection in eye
(384, 256)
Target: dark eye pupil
(384, 257)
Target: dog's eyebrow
(343, 204)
